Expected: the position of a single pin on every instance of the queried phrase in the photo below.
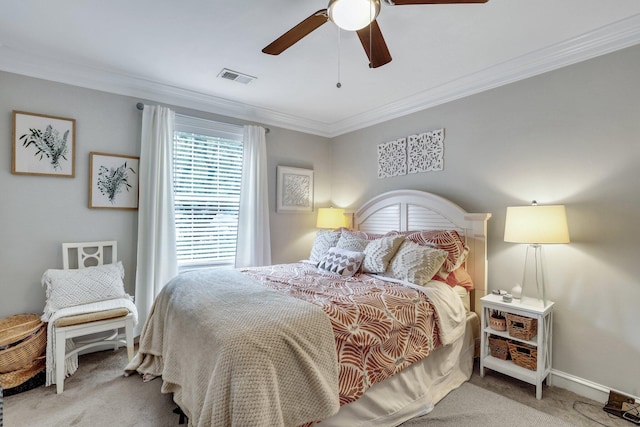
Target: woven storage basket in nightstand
(524, 355)
(499, 347)
(521, 327)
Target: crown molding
(616, 36)
(607, 39)
(82, 75)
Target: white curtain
(254, 240)
(157, 261)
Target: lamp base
(533, 278)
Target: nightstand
(541, 342)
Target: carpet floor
(99, 395)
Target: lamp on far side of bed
(536, 226)
(330, 218)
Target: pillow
(378, 253)
(341, 261)
(67, 288)
(325, 239)
(458, 277)
(447, 240)
(415, 263)
(351, 243)
(362, 234)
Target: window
(207, 174)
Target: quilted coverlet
(236, 353)
(380, 327)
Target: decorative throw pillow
(416, 264)
(351, 243)
(458, 277)
(447, 240)
(325, 240)
(66, 288)
(342, 261)
(362, 234)
(378, 253)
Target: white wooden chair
(90, 254)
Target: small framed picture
(113, 181)
(43, 145)
(295, 189)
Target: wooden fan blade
(403, 2)
(374, 46)
(295, 34)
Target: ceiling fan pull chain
(370, 40)
(339, 85)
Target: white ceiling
(172, 51)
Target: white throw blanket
(71, 363)
(236, 353)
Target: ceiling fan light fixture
(353, 15)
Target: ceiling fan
(352, 15)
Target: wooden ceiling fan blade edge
(297, 33)
(376, 48)
(410, 2)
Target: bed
(294, 345)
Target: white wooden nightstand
(542, 341)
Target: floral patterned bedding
(380, 327)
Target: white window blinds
(207, 177)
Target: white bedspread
(235, 353)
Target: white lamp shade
(353, 15)
(330, 218)
(536, 224)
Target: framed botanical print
(113, 181)
(295, 189)
(43, 145)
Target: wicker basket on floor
(23, 354)
(524, 355)
(521, 327)
(499, 347)
(14, 328)
(15, 378)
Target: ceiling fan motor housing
(353, 15)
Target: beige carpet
(98, 395)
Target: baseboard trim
(583, 387)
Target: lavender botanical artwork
(43, 145)
(295, 189)
(113, 181)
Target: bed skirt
(414, 391)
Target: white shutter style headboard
(408, 210)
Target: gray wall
(572, 137)
(38, 213)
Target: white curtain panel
(157, 261)
(254, 240)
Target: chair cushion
(80, 319)
(67, 288)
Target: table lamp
(330, 218)
(536, 226)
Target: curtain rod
(140, 106)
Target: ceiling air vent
(236, 76)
